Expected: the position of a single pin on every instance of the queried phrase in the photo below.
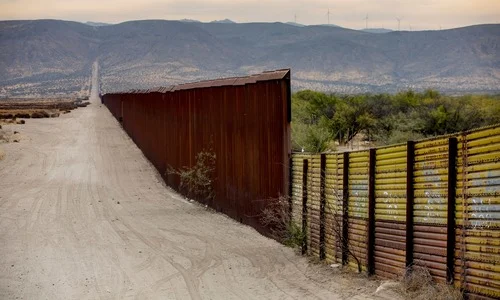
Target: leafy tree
(320, 119)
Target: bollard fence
(433, 203)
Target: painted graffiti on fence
(466, 251)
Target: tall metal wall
(433, 203)
(244, 121)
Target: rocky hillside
(50, 56)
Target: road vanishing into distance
(84, 215)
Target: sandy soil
(83, 215)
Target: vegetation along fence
(242, 124)
(432, 203)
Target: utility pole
(366, 20)
(399, 23)
(328, 16)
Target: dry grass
(27, 104)
(3, 136)
(10, 116)
(2, 139)
(11, 121)
(276, 217)
(9, 136)
(418, 284)
(37, 108)
(40, 114)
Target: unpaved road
(83, 215)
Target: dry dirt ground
(10, 109)
(83, 215)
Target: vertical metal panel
(333, 207)
(460, 206)
(390, 211)
(431, 206)
(345, 209)
(322, 197)
(305, 175)
(450, 231)
(297, 171)
(290, 192)
(113, 102)
(371, 213)
(313, 206)
(410, 200)
(358, 206)
(478, 214)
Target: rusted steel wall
(114, 104)
(433, 203)
(243, 121)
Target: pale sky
(417, 14)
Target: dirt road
(83, 215)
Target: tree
(318, 119)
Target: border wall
(432, 203)
(244, 121)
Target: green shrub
(198, 180)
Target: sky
(413, 14)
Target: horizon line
(235, 22)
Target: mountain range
(40, 57)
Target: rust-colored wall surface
(433, 203)
(244, 121)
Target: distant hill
(45, 57)
(189, 21)
(225, 21)
(295, 24)
(330, 25)
(376, 30)
(97, 24)
(50, 56)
